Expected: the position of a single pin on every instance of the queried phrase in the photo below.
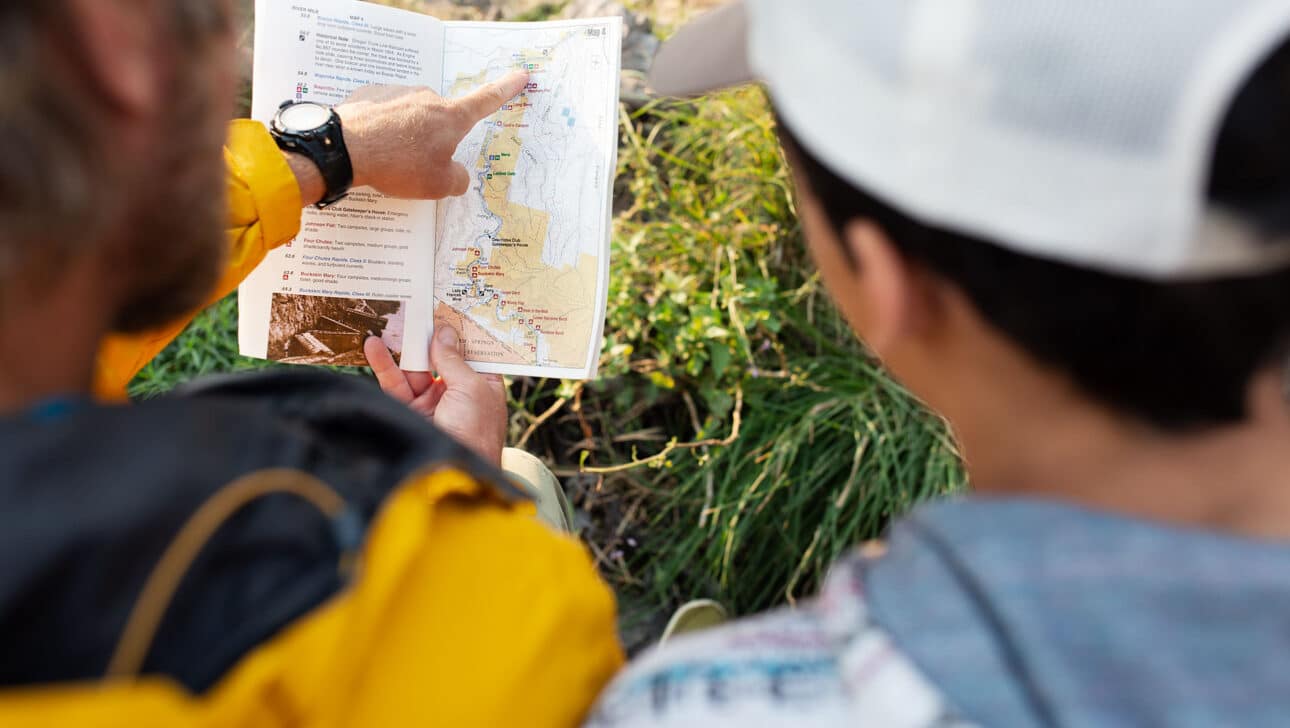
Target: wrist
(359, 141)
(315, 132)
(308, 177)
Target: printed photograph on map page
(520, 263)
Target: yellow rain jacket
(452, 606)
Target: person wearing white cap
(1065, 226)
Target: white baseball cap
(1074, 130)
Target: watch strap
(325, 146)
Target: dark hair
(1177, 355)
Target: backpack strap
(161, 585)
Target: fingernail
(447, 335)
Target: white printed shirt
(825, 664)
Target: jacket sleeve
(263, 212)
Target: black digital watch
(314, 130)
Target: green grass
(713, 299)
(712, 295)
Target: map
(521, 264)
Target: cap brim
(708, 54)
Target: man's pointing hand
(402, 139)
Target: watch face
(303, 117)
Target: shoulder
(478, 540)
(824, 664)
(468, 611)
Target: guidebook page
(522, 265)
(360, 267)
(519, 264)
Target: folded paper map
(519, 264)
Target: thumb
(487, 99)
(446, 356)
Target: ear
(886, 285)
(117, 45)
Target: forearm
(312, 186)
(401, 142)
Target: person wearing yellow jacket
(286, 549)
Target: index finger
(487, 99)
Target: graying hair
(53, 199)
